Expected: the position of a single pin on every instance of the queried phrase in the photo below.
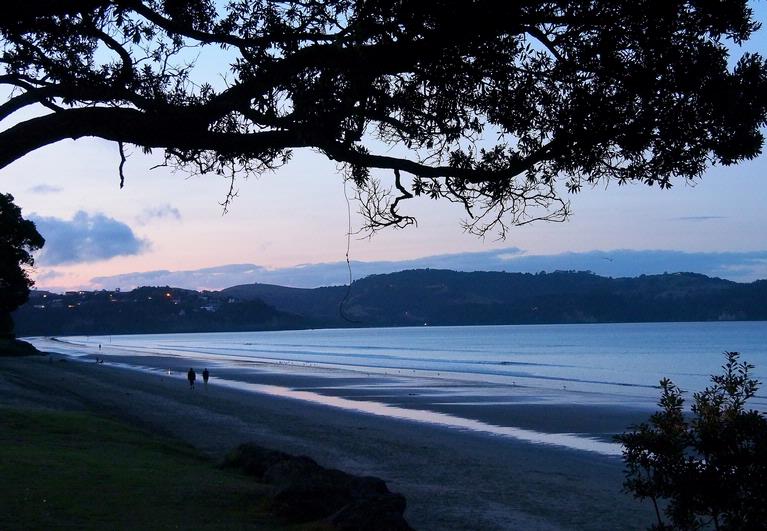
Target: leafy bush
(707, 469)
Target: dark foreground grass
(65, 470)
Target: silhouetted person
(205, 376)
(191, 376)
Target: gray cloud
(85, 238)
(48, 274)
(738, 266)
(45, 189)
(165, 211)
(698, 218)
(208, 278)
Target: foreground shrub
(707, 469)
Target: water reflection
(376, 408)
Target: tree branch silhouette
(501, 107)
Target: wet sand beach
(452, 478)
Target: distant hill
(146, 310)
(322, 304)
(407, 298)
(443, 297)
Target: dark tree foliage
(500, 106)
(709, 471)
(18, 239)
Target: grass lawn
(64, 470)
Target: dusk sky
(168, 221)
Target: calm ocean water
(460, 377)
(611, 358)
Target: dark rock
(380, 513)
(367, 487)
(306, 488)
(305, 491)
(310, 497)
(283, 472)
(254, 460)
(16, 347)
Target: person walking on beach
(205, 376)
(191, 376)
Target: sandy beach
(452, 478)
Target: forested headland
(407, 298)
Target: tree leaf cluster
(500, 107)
(18, 240)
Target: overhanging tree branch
(615, 91)
(134, 127)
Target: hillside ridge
(407, 298)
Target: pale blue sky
(298, 215)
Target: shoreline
(524, 412)
(452, 479)
(622, 362)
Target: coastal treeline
(442, 297)
(145, 310)
(407, 298)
